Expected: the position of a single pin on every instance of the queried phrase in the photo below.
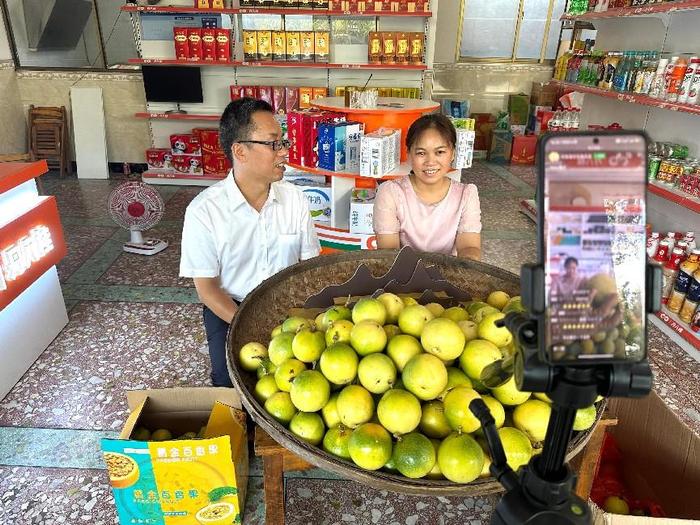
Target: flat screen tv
(177, 84)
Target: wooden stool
(276, 461)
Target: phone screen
(594, 247)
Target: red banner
(29, 245)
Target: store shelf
(642, 10)
(177, 116)
(173, 177)
(263, 11)
(632, 98)
(401, 171)
(315, 65)
(672, 321)
(675, 195)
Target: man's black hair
(570, 259)
(237, 122)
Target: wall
(12, 123)
(486, 85)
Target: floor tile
(79, 382)
(486, 180)
(320, 502)
(163, 268)
(82, 242)
(501, 212)
(176, 205)
(508, 254)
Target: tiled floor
(134, 324)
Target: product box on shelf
(302, 128)
(455, 108)
(331, 145)
(194, 39)
(209, 45)
(188, 164)
(185, 143)
(306, 39)
(265, 46)
(544, 94)
(321, 46)
(388, 47)
(223, 45)
(236, 92)
(524, 149)
(293, 46)
(251, 91)
(215, 163)
(291, 99)
(417, 47)
(265, 93)
(198, 479)
(279, 46)
(301, 177)
(305, 96)
(501, 146)
(403, 48)
(250, 45)
(380, 152)
(518, 108)
(319, 92)
(484, 125)
(182, 45)
(375, 47)
(319, 198)
(208, 139)
(159, 159)
(361, 206)
(354, 132)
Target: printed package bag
(197, 476)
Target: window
(516, 30)
(70, 34)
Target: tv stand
(178, 111)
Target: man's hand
(210, 293)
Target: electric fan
(138, 207)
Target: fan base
(147, 247)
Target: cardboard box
(159, 159)
(403, 50)
(380, 152)
(353, 139)
(302, 126)
(518, 109)
(331, 146)
(307, 43)
(485, 123)
(375, 47)
(417, 47)
(319, 198)
(175, 481)
(361, 215)
(185, 144)
(544, 94)
(194, 38)
(524, 149)
(388, 47)
(501, 146)
(660, 458)
(223, 45)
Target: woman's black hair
(435, 121)
(569, 260)
(237, 122)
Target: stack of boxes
(196, 153)
(466, 136)
(302, 130)
(283, 99)
(398, 92)
(390, 47)
(208, 44)
(380, 152)
(286, 46)
(339, 146)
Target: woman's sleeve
(470, 221)
(385, 214)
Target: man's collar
(237, 199)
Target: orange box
(203, 4)
(388, 47)
(279, 46)
(319, 93)
(523, 149)
(250, 45)
(402, 48)
(375, 47)
(293, 46)
(321, 46)
(417, 45)
(217, 4)
(265, 46)
(307, 40)
(305, 96)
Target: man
(245, 228)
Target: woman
(427, 210)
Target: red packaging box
(185, 144)
(237, 92)
(223, 45)
(208, 140)
(194, 37)
(182, 44)
(291, 99)
(524, 149)
(209, 45)
(215, 164)
(265, 93)
(278, 100)
(250, 91)
(302, 129)
(159, 158)
(188, 164)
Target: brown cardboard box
(485, 123)
(661, 461)
(543, 94)
(403, 54)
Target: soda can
(679, 151)
(654, 164)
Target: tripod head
(542, 491)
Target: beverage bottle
(683, 245)
(663, 252)
(670, 272)
(695, 323)
(650, 73)
(639, 74)
(692, 298)
(676, 80)
(685, 273)
(634, 71)
(652, 243)
(684, 92)
(694, 90)
(668, 74)
(576, 122)
(671, 238)
(690, 239)
(657, 83)
(620, 79)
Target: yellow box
(183, 481)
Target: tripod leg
(561, 424)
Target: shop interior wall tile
(12, 121)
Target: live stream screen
(594, 249)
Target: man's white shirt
(224, 236)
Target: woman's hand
(388, 241)
(469, 246)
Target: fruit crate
(318, 280)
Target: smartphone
(592, 241)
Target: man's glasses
(275, 144)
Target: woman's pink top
(426, 227)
